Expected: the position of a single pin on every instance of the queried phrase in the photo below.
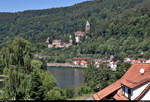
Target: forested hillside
(118, 27)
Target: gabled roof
(84, 62)
(132, 79)
(108, 90)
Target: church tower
(87, 27)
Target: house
(98, 62)
(50, 45)
(127, 60)
(113, 65)
(78, 36)
(76, 62)
(84, 63)
(148, 61)
(140, 60)
(82, 58)
(133, 85)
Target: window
(124, 90)
(129, 93)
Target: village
(83, 62)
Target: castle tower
(87, 27)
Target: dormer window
(129, 93)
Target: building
(76, 62)
(78, 36)
(50, 46)
(87, 27)
(84, 63)
(47, 40)
(58, 43)
(133, 85)
(113, 65)
(140, 60)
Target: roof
(56, 41)
(108, 90)
(119, 95)
(132, 79)
(84, 62)
(81, 58)
(141, 59)
(77, 61)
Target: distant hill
(115, 24)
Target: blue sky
(21, 5)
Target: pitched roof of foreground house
(107, 91)
(137, 75)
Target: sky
(21, 5)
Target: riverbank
(65, 65)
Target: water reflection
(68, 77)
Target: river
(68, 77)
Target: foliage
(101, 76)
(26, 78)
(69, 92)
(84, 90)
(121, 69)
(55, 94)
(113, 23)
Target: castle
(78, 36)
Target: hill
(118, 27)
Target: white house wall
(147, 96)
(138, 91)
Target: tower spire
(87, 27)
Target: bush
(69, 92)
(84, 90)
(55, 94)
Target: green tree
(55, 94)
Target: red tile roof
(84, 62)
(119, 95)
(132, 79)
(108, 90)
(82, 58)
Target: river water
(68, 77)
